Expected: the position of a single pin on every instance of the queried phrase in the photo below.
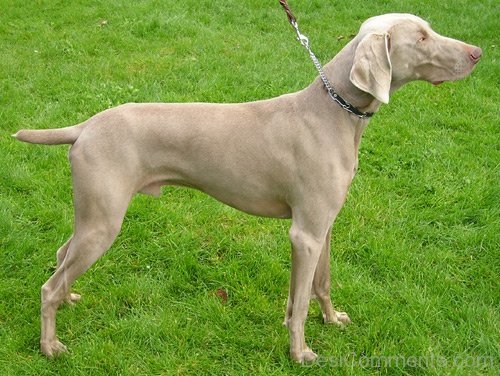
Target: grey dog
(293, 156)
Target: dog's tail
(50, 136)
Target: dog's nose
(475, 54)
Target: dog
(293, 156)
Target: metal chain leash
(304, 41)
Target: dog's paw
(305, 356)
(338, 318)
(53, 348)
(72, 298)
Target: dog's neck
(338, 72)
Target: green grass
(415, 250)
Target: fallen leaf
(222, 294)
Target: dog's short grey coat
(289, 157)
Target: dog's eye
(422, 38)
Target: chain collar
(304, 41)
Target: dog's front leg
(307, 242)
(321, 287)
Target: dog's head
(394, 49)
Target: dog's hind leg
(71, 298)
(99, 213)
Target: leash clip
(304, 41)
(301, 37)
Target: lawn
(415, 251)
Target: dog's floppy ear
(372, 70)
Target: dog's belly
(255, 205)
(252, 203)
